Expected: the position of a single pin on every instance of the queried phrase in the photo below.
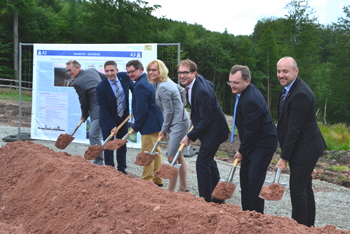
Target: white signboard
(55, 106)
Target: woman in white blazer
(170, 97)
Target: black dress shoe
(124, 172)
(217, 201)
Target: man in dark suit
(258, 136)
(300, 139)
(85, 82)
(109, 117)
(148, 117)
(210, 126)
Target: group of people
(159, 109)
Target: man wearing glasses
(148, 117)
(210, 126)
(257, 133)
(85, 85)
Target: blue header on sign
(87, 53)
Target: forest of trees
(322, 51)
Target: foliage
(322, 51)
(337, 136)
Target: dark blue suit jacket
(254, 122)
(108, 103)
(210, 125)
(300, 138)
(148, 117)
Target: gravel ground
(332, 201)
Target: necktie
(187, 97)
(234, 120)
(119, 100)
(282, 100)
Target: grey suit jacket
(85, 86)
(170, 98)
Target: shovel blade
(223, 190)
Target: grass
(337, 136)
(221, 154)
(339, 168)
(13, 95)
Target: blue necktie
(119, 100)
(234, 120)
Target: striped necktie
(234, 120)
(119, 100)
(282, 100)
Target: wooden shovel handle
(119, 126)
(182, 146)
(124, 121)
(235, 162)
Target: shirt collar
(288, 87)
(191, 85)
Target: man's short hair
(74, 62)
(111, 62)
(244, 71)
(136, 63)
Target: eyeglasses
(232, 83)
(185, 73)
(69, 70)
(129, 72)
(152, 70)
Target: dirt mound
(43, 191)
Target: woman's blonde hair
(163, 70)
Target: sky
(239, 17)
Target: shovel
(65, 139)
(225, 188)
(167, 170)
(273, 191)
(94, 150)
(145, 158)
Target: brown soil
(223, 190)
(273, 192)
(63, 140)
(115, 144)
(165, 171)
(43, 191)
(93, 151)
(144, 159)
(54, 192)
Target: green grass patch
(221, 154)
(337, 136)
(338, 168)
(13, 95)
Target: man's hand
(162, 135)
(185, 141)
(83, 119)
(281, 164)
(114, 130)
(239, 156)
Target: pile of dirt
(43, 191)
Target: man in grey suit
(300, 139)
(85, 85)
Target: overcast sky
(240, 17)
